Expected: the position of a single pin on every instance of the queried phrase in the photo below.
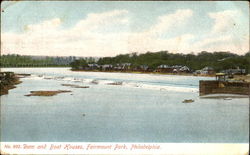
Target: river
(144, 108)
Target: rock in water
(188, 101)
(46, 93)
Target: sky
(109, 28)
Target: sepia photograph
(125, 77)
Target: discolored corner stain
(10, 3)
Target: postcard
(125, 77)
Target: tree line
(217, 60)
(15, 60)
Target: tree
(78, 64)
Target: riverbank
(8, 80)
(139, 72)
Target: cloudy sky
(109, 28)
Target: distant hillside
(217, 60)
(14, 60)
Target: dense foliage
(13, 60)
(218, 60)
(78, 63)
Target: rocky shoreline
(8, 80)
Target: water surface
(145, 108)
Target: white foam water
(141, 85)
(161, 88)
